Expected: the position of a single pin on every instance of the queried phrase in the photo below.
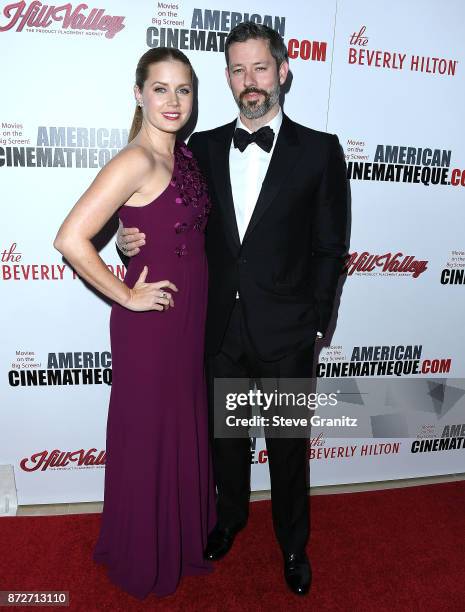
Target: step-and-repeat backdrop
(387, 78)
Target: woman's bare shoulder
(134, 163)
(135, 154)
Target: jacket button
(243, 260)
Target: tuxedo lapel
(219, 162)
(284, 157)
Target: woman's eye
(185, 91)
(159, 89)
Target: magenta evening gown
(159, 492)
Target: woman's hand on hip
(150, 296)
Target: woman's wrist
(127, 297)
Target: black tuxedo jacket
(287, 267)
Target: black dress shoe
(219, 542)
(297, 572)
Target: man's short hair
(247, 30)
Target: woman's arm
(112, 187)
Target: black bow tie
(263, 137)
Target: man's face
(253, 77)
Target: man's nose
(249, 78)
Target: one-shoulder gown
(159, 493)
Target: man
(275, 241)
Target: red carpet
(401, 549)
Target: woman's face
(167, 95)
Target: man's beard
(254, 110)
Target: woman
(159, 501)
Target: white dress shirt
(247, 171)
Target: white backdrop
(66, 107)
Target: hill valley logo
(64, 19)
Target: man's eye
(237, 70)
(261, 68)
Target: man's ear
(283, 71)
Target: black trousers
(287, 457)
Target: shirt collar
(274, 124)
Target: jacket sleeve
(193, 144)
(329, 232)
(124, 258)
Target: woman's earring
(141, 104)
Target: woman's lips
(171, 116)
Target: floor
(90, 507)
